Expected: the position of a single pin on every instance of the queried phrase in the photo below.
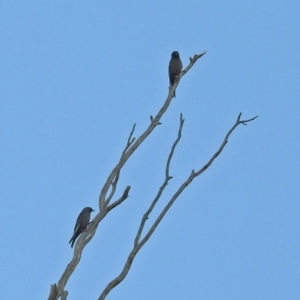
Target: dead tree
(109, 188)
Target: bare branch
(119, 201)
(113, 188)
(130, 140)
(139, 244)
(64, 295)
(154, 122)
(190, 179)
(237, 123)
(83, 239)
(53, 292)
(174, 146)
(161, 189)
(132, 145)
(122, 275)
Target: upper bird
(81, 223)
(175, 67)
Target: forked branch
(115, 180)
(164, 185)
(138, 243)
(154, 122)
(57, 290)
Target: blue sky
(75, 77)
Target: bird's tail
(73, 241)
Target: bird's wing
(78, 221)
(76, 229)
(171, 66)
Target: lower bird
(175, 67)
(81, 224)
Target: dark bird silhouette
(175, 67)
(81, 224)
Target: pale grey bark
(138, 242)
(110, 186)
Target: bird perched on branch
(81, 224)
(175, 67)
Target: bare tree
(110, 186)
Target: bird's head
(175, 54)
(88, 209)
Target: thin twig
(191, 178)
(120, 200)
(161, 189)
(174, 146)
(130, 140)
(237, 123)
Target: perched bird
(175, 67)
(81, 224)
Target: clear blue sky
(74, 79)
